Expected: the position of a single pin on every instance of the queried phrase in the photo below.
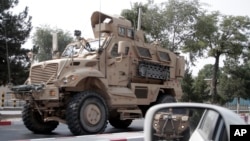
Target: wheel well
(161, 92)
(167, 91)
(95, 84)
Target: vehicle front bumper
(36, 92)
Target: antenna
(134, 20)
(99, 68)
(100, 25)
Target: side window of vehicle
(126, 50)
(121, 31)
(114, 51)
(130, 33)
(220, 132)
(208, 125)
(223, 136)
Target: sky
(70, 15)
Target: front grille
(44, 74)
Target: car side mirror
(189, 122)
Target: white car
(206, 123)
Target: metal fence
(243, 108)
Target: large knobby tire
(87, 113)
(120, 124)
(34, 121)
(166, 99)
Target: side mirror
(122, 47)
(189, 122)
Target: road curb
(6, 120)
(9, 119)
(4, 123)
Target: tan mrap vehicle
(172, 125)
(113, 78)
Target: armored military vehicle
(113, 78)
(172, 125)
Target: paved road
(17, 131)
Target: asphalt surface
(13, 128)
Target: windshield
(74, 49)
(71, 50)
(93, 46)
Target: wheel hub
(92, 114)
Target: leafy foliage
(187, 86)
(14, 30)
(169, 22)
(42, 39)
(216, 35)
(235, 81)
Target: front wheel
(87, 113)
(34, 121)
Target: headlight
(184, 118)
(69, 79)
(65, 80)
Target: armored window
(121, 31)
(164, 56)
(114, 51)
(144, 52)
(130, 33)
(107, 20)
(126, 50)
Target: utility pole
(7, 55)
(6, 43)
(7, 48)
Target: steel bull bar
(36, 92)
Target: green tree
(14, 30)
(187, 86)
(236, 80)
(202, 85)
(216, 35)
(170, 22)
(180, 17)
(42, 40)
(207, 71)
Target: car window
(220, 132)
(208, 124)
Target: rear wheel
(121, 124)
(34, 121)
(87, 113)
